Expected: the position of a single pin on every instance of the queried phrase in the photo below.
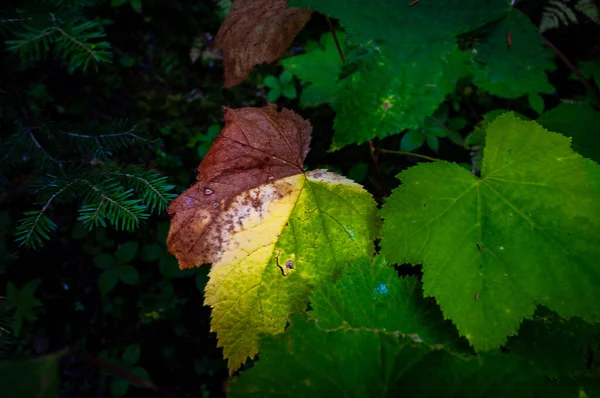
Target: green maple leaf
(494, 247)
(388, 95)
(579, 121)
(372, 334)
(511, 71)
(400, 29)
(320, 66)
(410, 73)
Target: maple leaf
(271, 230)
(256, 32)
(492, 248)
(371, 334)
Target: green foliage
(116, 267)
(512, 59)
(129, 358)
(37, 377)
(23, 302)
(283, 85)
(396, 94)
(523, 230)
(372, 334)
(579, 121)
(319, 68)
(60, 28)
(564, 12)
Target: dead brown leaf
(256, 146)
(255, 32)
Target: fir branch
(100, 141)
(108, 202)
(149, 185)
(79, 44)
(35, 227)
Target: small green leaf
(273, 95)
(136, 5)
(141, 373)
(536, 102)
(152, 252)
(285, 77)
(129, 275)
(119, 387)
(271, 82)
(126, 252)
(131, 354)
(432, 142)
(412, 140)
(104, 261)
(289, 91)
(108, 280)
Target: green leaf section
(373, 335)
(512, 60)
(320, 67)
(399, 29)
(494, 247)
(37, 377)
(331, 222)
(396, 94)
(408, 74)
(579, 121)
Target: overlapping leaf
(255, 32)
(272, 231)
(579, 121)
(417, 62)
(320, 67)
(396, 95)
(374, 335)
(512, 59)
(494, 247)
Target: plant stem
(375, 157)
(335, 39)
(573, 68)
(408, 154)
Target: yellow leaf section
(283, 239)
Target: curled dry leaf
(256, 146)
(255, 32)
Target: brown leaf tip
(257, 146)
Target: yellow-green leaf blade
(290, 235)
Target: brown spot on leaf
(234, 164)
(255, 32)
(386, 105)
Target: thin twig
(335, 39)
(573, 68)
(116, 370)
(408, 154)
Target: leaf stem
(573, 68)
(418, 155)
(335, 39)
